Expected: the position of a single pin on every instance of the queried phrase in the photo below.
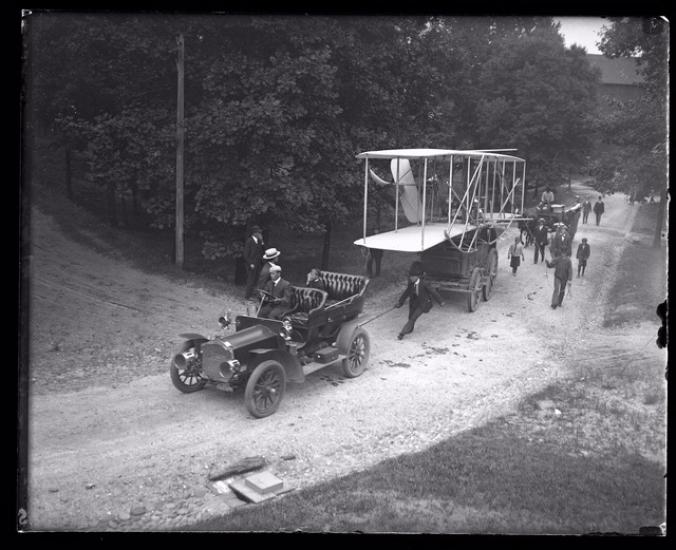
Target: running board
(314, 366)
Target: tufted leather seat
(305, 302)
(341, 286)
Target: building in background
(620, 79)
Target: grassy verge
(643, 286)
(532, 472)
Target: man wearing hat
(583, 253)
(419, 295)
(271, 254)
(561, 242)
(599, 209)
(541, 238)
(586, 208)
(563, 275)
(278, 294)
(253, 256)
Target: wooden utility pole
(180, 144)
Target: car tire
(358, 354)
(265, 389)
(188, 379)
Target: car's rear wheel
(265, 389)
(358, 354)
(187, 376)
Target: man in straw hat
(253, 256)
(278, 294)
(419, 295)
(271, 254)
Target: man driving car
(277, 295)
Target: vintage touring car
(320, 329)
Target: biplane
(450, 207)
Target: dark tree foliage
(638, 129)
(277, 107)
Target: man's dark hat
(256, 229)
(416, 269)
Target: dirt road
(114, 446)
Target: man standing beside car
(253, 256)
(270, 256)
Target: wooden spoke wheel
(358, 355)
(265, 389)
(187, 377)
(474, 296)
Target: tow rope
(377, 316)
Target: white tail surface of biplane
(408, 192)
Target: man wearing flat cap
(278, 294)
(253, 256)
(419, 295)
(270, 257)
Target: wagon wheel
(265, 389)
(474, 288)
(187, 376)
(358, 355)
(491, 272)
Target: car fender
(192, 336)
(345, 336)
(292, 367)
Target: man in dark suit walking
(563, 273)
(599, 209)
(278, 294)
(541, 238)
(419, 295)
(253, 256)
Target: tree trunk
(657, 241)
(326, 247)
(69, 184)
(134, 204)
(111, 204)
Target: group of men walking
(560, 247)
(599, 208)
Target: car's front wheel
(265, 389)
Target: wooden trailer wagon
(471, 270)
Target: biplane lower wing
(409, 239)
